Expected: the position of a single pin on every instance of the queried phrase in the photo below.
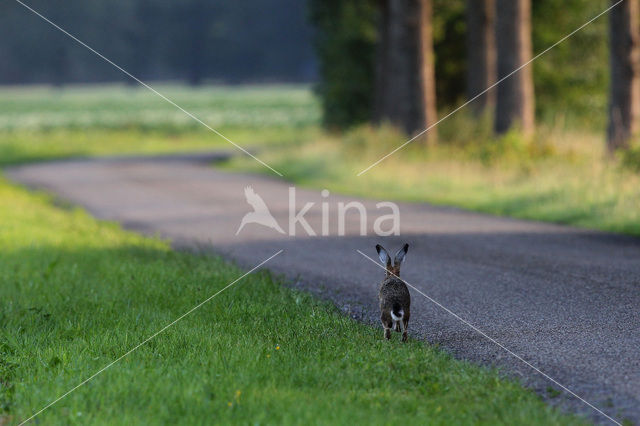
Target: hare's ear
(384, 256)
(400, 255)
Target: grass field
(77, 293)
(44, 123)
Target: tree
(345, 43)
(382, 92)
(426, 63)
(481, 53)
(624, 92)
(405, 81)
(515, 95)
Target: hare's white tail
(397, 314)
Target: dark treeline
(403, 60)
(192, 40)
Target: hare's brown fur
(395, 300)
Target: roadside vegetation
(77, 293)
(562, 175)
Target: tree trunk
(405, 81)
(428, 71)
(381, 89)
(514, 96)
(481, 53)
(624, 96)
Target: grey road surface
(566, 300)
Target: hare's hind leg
(387, 323)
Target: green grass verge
(76, 294)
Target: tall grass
(560, 175)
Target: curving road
(566, 300)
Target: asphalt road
(564, 299)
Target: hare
(394, 294)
